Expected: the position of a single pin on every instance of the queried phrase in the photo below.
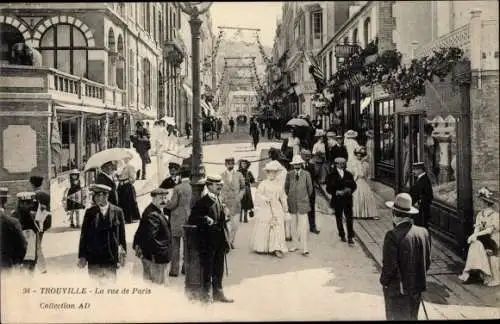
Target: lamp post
(193, 282)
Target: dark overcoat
(421, 193)
(101, 235)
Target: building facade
(99, 74)
(443, 128)
(243, 103)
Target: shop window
(317, 24)
(69, 130)
(64, 47)
(131, 77)
(440, 157)
(9, 35)
(146, 68)
(94, 129)
(386, 127)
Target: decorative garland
(365, 68)
(266, 59)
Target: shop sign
(19, 149)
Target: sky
(261, 15)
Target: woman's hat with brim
(297, 159)
(351, 134)
(403, 204)
(273, 166)
(488, 195)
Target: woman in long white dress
(351, 145)
(363, 199)
(270, 210)
(482, 257)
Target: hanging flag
(317, 74)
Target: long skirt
(247, 201)
(268, 237)
(363, 201)
(128, 203)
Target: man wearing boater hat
(421, 194)
(102, 240)
(213, 241)
(13, 243)
(405, 261)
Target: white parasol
(169, 120)
(102, 157)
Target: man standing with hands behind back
(405, 261)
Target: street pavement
(336, 282)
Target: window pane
(63, 35)
(48, 38)
(47, 58)
(80, 62)
(78, 38)
(63, 61)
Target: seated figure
(482, 262)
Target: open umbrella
(113, 154)
(136, 161)
(299, 122)
(169, 120)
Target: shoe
(250, 214)
(306, 253)
(222, 299)
(173, 274)
(72, 225)
(343, 239)
(288, 239)
(245, 221)
(278, 254)
(315, 231)
(232, 246)
(183, 271)
(351, 241)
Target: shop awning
(84, 109)
(139, 115)
(188, 90)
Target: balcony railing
(458, 38)
(66, 86)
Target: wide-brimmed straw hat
(297, 159)
(273, 166)
(403, 204)
(488, 195)
(351, 134)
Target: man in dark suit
(142, 144)
(406, 259)
(173, 178)
(152, 240)
(209, 216)
(102, 240)
(421, 194)
(12, 240)
(339, 149)
(306, 156)
(340, 185)
(106, 177)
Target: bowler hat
(402, 203)
(96, 187)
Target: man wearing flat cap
(340, 185)
(421, 194)
(12, 240)
(405, 261)
(212, 239)
(102, 240)
(232, 193)
(153, 239)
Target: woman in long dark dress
(246, 201)
(127, 199)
